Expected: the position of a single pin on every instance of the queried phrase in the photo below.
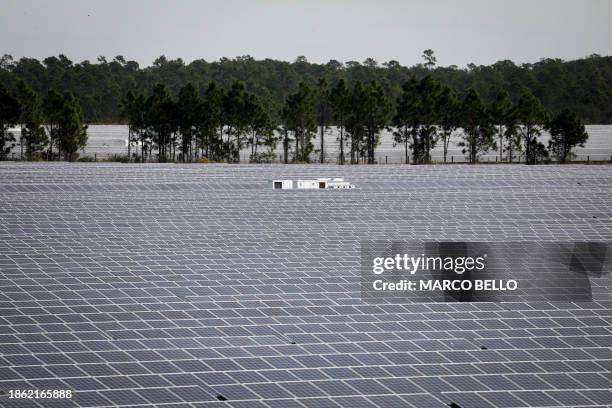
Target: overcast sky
(460, 31)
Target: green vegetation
(340, 100)
(299, 117)
(501, 115)
(566, 132)
(33, 136)
(532, 116)
(60, 114)
(478, 127)
(71, 132)
(201, 112)
(9, 116)
(584, 86)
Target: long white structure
(324, 182)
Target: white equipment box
(318, 183)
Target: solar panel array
(200, 286)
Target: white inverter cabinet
(312, 184)
(282, 184)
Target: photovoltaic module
(200, 286)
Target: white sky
(460, 31)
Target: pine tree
(211, 123)
(71, 132)
(9, 116)
(377, 109)
(33, 135)
(52, 108)
(160, 120)
(234, 108)
(404, 119)
(188, 108)
(355, 122)
(566, 132)
(532, 117)
(340, 102)
(323, 113)
(428, 94)
(448, 109)
(300, 118)
(476, 123)
(501, 110)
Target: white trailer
(318, 183)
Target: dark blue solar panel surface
(200, 286)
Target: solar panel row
(200, 286)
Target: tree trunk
(370, 147)
(501, 144)
(322, 131)
(427, 145)
(237, 151)
(527, 145)
(286, 145)
(473, 149)
(129, 143)
(415, 147)
(174, 147)
(446, 142)
(193, 138)
(341, 142)
(252, 145)
(372, 143)
(297, 146)
(510, 149)
(229, 145)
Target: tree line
(429, 113)
(216, 125)
(50, 129)
(583, 85)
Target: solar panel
(200, 286)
